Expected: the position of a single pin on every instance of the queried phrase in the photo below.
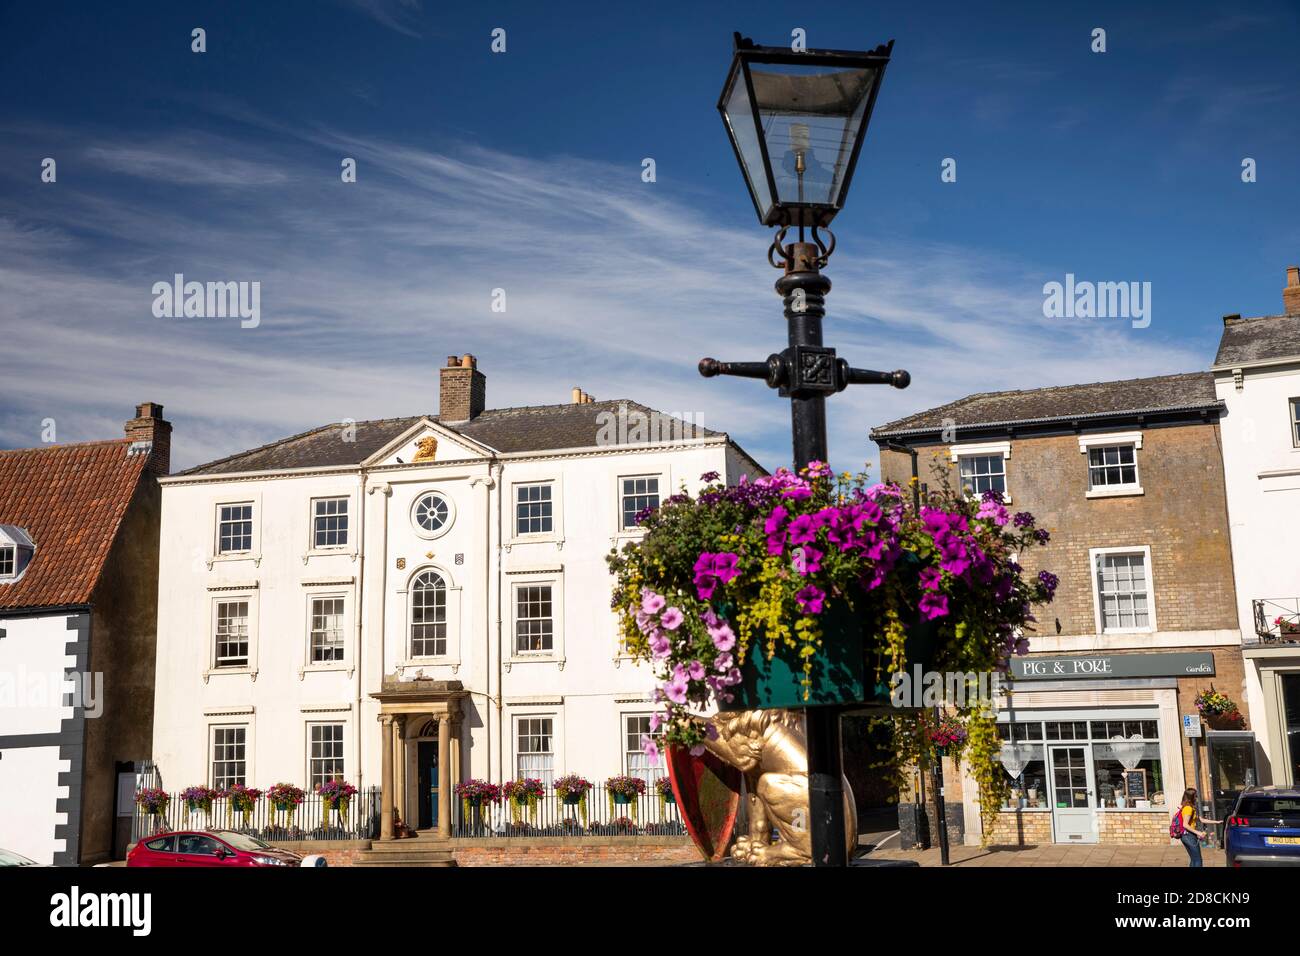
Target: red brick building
(1128, 478)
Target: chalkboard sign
(1135, 784)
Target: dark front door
(427, 785)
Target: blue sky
(521, 171)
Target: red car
(187, 848)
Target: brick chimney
(462, 389)
(1291, 294)
(151, 435)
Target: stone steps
(419, 851)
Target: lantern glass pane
(811, 117)
(739, 115)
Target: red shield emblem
(708, 797)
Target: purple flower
(1042, 535)
(818, 469)
(651, 603)
(709, 477)
(723, 637)
(696, 671)
(992, 508)
(930, 578)
(643, 622)
(807, 560)
(934, 605)
(697, 750)
(1050, 581)
(656, 721)
(775, 529)
(723, 663)
(1023, 519)
(650, 749)
(675, 689)
(710, 569)
(803, 529)
(810, 599)
(671, 619)
(660, 646)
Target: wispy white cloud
(366, 286)
(399, 15)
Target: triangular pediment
(428, 442)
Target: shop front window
(1125, 757)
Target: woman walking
(1187, 823)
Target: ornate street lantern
(796, 122)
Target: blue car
(1264, 828)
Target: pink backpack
(1176, 829)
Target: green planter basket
(622, 799)
(572, 799)
(841, 674)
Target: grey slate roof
(1163, 393)
(1257, 340)
(524, 429)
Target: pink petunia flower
(671, 619)
(651, 603)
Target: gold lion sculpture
(769, 747)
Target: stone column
(444, 777)
(386, 779)
(399, 769)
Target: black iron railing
(602, 815)
(310, 820)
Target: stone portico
(421, 744)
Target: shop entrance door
(1074, 817)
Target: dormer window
(16, 550)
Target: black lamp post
(796, 122)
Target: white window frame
(1111, 440)
(227, 595)
(418, 528)
(312, 545)
(452, 658)
(254, 553)
(515, 488)
(12, 550)
(1293, 409)
(663, 492)
(985, 450)
(221, 521)
(554, 578)
(556, 534)
(343, 749)
(659, 769)
(211, 751)
(1094, 556)
(325, 593)
(556, 751)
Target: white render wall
(584, 685)
(33, 659)
(1262, 473)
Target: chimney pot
(1231, 319)
(462, 389)
(1291, 294)
(150, 429)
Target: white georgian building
(428, 589)
(1257, 374)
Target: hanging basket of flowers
(946, 736)
(241, 799)
(623, 791)
(153, 801)
(335, 795)
(1219, 710)
(199, 798)
(572, 790)
(285, 798)
(525, 792)
(664, 787)
(806, 590)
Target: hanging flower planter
(521, 794)
(240, 799)
(335, 795)
(623, 792)
(1219, 710)
(474, 795)
(809, 590)
(284, 799)
(572, 791)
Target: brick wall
(1133, 828)
(336, 852)
(1022, 829)
(1182, 517)
(627, 852)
